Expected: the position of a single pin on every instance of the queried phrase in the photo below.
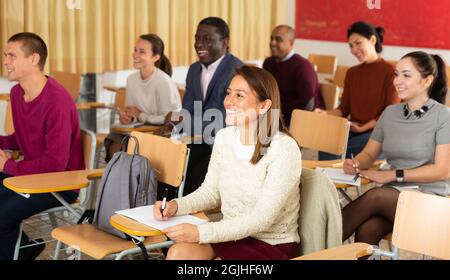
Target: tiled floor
(40, 227)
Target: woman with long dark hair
(414, 136)
(368, 87)
(254, 175)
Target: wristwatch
(400, 175)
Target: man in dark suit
(206, 86)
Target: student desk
(89, 105)
(140, 231)
(126, 130)
(134, 228)
(52, 183)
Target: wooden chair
(182, 92)
(353, 251)
(71, 82)
(339, 76)
(330, 94)
(447, 70)
(88, 144)
(421, 226)
(393, 62)
(9, 125)
(324, 133)
(326, 64)
(169, 159)
(320, 132)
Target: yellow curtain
(94, 36)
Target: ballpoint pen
(356, 166)
(164, 202)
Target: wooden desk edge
(90, 175)
(144, 231)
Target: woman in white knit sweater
(151, 92)
(253, 175)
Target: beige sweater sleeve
(207, 195)
(282, 180)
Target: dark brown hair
(31, 44)
(433, 65)
(367, 30)
(158, 49)
(265, 86)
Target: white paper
(144, 215)
(337, 175)
(130, 125)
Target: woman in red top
(368, 87)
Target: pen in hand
(355, 165)
(164, 202)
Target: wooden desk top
(51, 182)
(144, 128)
(132, 227)
(89, 105)
(351, 251)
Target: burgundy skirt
(254, 249)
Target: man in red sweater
(47, 133)
(296, 78)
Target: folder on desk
(337, 175)
(144, 215)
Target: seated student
(206, 85)
(47, 133)
(415, 138)
(151, 93)
(254, 175)
(368, 87)
(295, 75)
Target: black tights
(371, 216)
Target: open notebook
(144, 215)
(337, 175)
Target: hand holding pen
(351, 166)
(162, 210)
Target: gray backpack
(127, 182)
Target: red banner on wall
(415, 23)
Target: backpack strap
(140, 244)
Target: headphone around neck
(417, 113)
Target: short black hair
(220, 24)
(32, 43)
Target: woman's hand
(124, 118)
(379, 177)
(357, 128)
(351, 166)
(183, 233)
(133, 111)
(170, 210)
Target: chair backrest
(182, 92)
(339, 76)
(422, 224)
(325, 63)
(9, 125)
(320, 132)
(88, 144)
(330, 94)
(393, 62)
(71, 82)
(167, 157)
(447, 70)
(320, 219)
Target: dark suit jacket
(215, 95)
